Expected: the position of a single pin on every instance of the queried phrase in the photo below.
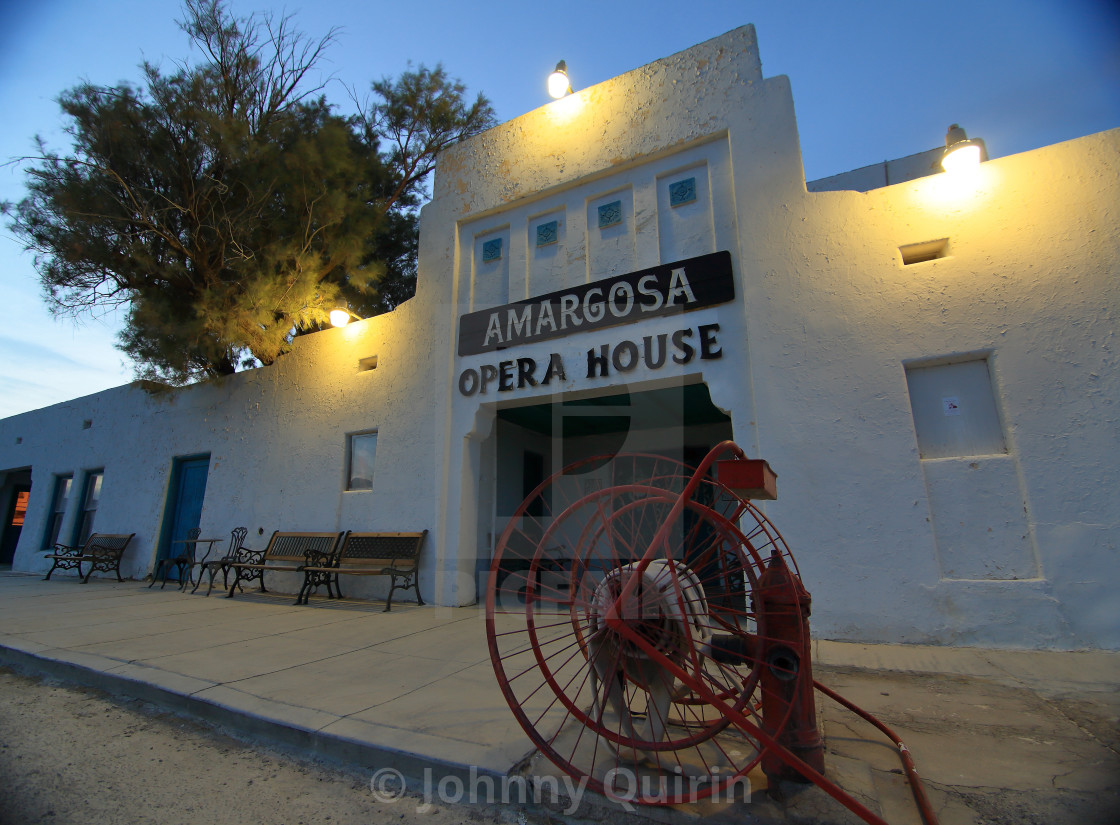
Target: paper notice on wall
(951, 405)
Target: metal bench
(103, 551)
(366, 554)
(286, 552)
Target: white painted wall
(1012, 548)
(276, 439)
(1030, 281)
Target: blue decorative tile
(548, 233)
(682, 192)
(492, 250)
(610, 214)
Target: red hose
(915, 781)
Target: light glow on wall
(563, 111)
(964, 190)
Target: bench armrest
(67, 550)
(247, 556)
(317, 558)
(102, 550)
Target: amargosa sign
(649, 293)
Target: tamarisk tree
(225, 206)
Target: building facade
(929, 366)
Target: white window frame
(361, 457)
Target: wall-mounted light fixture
(558, 82)
(961, 151)
(341, 317)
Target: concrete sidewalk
(414, 689)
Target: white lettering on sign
(678, 286)
(593, 310)
(493, 328)
(545, 318)
(519, 326)
(650, 292)
(569, 305)
(620, 303)
(667, 289)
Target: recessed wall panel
(490, 269)
(954, 409)
(610, 234)
(547, 246)
(978, 509)
(684, 214)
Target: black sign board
(668, 289)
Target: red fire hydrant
(787, 675)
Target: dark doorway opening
(530, 443)
(13, 522)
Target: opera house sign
(668, 289)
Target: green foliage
(226, 207)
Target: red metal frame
(611, 664)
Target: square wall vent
(917, 253)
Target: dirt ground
(74, 756)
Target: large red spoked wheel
(624, 626)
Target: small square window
(362, 450)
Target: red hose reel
(649, 629)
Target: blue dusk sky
(871, 81)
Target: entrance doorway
(530, 443)
(16, 490)
(184, 510)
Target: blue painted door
(188, 489)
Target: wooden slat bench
(103, 551)
(286, 552)
(367, 554)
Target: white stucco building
(929, 366)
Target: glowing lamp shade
(961, 152)
(558, 83)
(961, 157)
(340, 317)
